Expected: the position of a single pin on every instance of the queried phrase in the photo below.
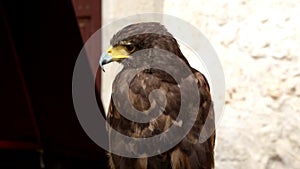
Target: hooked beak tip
(104, 59)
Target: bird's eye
(130, 48)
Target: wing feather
(190, 153)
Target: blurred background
(257, 43)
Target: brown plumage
(189, 153)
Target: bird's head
(137, 37)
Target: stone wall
(258, 43)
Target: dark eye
(130, 48)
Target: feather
(190, 153)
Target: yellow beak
(113, 54)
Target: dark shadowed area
(39, 45)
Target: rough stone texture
(258, 43)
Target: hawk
(190, 152)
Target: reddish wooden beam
(17, 145)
